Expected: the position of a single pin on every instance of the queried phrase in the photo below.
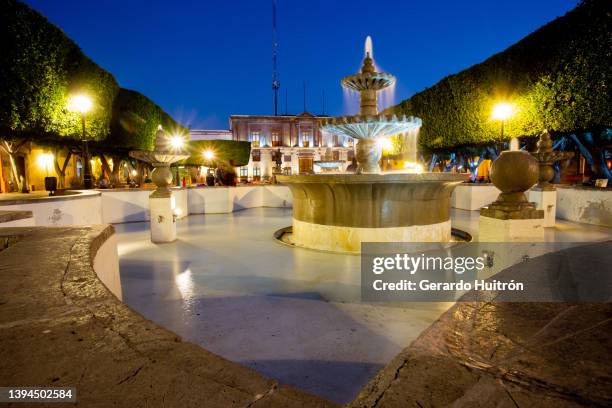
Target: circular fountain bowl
(337, 212)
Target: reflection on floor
(289, 313)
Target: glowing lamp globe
(177, 142)
(502, 111)
(209, 155)
(80, 103)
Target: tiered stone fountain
(161, 201)
(337, 212)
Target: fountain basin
(337, 212)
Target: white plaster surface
(547, 201)
(473, 196)
(349, 239)
(589, 206)
(290, 313)
(106, 266)
(496, 230)
(58, 212)
(215, 200)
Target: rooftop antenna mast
(275, 81)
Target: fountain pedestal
(162, 203)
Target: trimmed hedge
(558, 78)
(233, 152)
(40, 67)
(135, 121)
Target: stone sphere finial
(514, 172)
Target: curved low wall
(80, 208)
(213, 200)
(61, 327)
(132, 204)
(587, 205)
(115, 206)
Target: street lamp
(82, 104)
(177, 142)
(209, 155)
(502, 111)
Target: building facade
(296, 141)
(205, 134)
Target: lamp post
(82, 104)
(502, 111)
(176, 144)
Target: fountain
(328, 164)
(337, 212)
(161, 201)
(544, 193)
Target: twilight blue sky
(202, 60)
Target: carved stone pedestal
(163, 219)
(545, 200)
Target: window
(255, 139)
(256, 172)
(287, 158)
(350, 154)
(276, 139)
(244, 171)
(256, 154)
(305, 139)
(336, 155)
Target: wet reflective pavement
(292, 314)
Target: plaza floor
(292, 314)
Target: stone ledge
(8, 216)
(60, 326)
(43, 197)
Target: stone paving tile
(59, 326)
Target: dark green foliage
(135, 121)
(233, 152)
(557, 78)
(40, 68)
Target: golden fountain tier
(368, 80)
(370, 127)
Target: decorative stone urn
(514, 172)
